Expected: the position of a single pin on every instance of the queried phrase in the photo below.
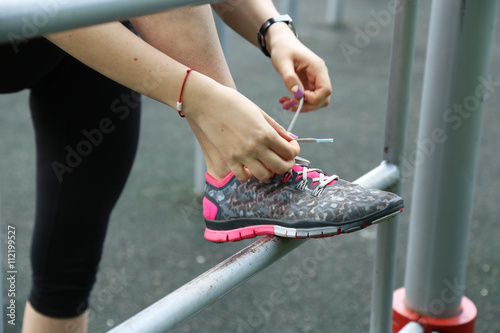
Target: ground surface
(155, 243)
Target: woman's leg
(34, 321)
(86, 131)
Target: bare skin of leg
(189, 36)
(35, 322)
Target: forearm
(246, 18)
(187, 35)
(114, 51)
(246, 140)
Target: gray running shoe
(303, 203)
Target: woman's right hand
(250, 141)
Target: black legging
(86, 132)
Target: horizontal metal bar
(382, 177)
(26, 19)
(186, 301)
(207, 288)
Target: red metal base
(463, 323)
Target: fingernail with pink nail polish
(293, 135)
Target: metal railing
(191, 298)
(458, 58)
(207, 288)
(24, 19)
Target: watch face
(290, 24)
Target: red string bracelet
(179, 103)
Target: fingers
(288, 103)
(267, 155)
(319, 95)
(313, 100)
(277, 156)
(305, 75)
(241, 172)
(256, 167)
(291, 79)
(244, 137)
(282, 132)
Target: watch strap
(261, 34)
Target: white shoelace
(295, 116)
(323, 179)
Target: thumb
(291, 79)
(284, 134)
(278, 128)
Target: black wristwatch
(261, 35)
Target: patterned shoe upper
(302, 194)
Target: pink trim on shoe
(222, 236)
(209, 209)
(218, 183)
(297, 168)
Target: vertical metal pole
(291, 7)
(403, 45)
(455, 86)
(1, 269)
(333, 12)
(200, 167)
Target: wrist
(277, 25)
(278, 34)
(199, 91)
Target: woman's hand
(250, 141)
(304, 73)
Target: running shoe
(302, 203)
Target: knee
(62, 280)
(61, 294)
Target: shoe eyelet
(287, 177)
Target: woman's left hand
(304, 73)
